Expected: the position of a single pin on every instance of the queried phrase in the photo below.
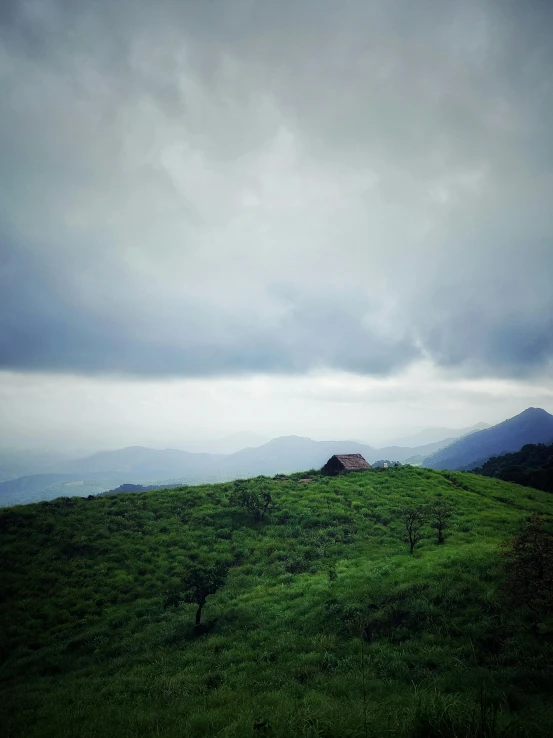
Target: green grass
(88, 648)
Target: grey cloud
(43, 325)
(233, 187)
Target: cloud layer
(223, 188)
(72, 413)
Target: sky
(307, 217)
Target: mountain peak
(286, 440)
(530, 415)
(533, 425)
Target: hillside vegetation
(532, 466)
(325, 625)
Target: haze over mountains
(241, 440)
(140, 465)
(16, 462)
(436, 435)
(227, 445)
(534, 425)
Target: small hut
(344, 463)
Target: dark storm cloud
(231, 187)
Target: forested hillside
(315, 618)
(532, 466)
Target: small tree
(528, 560)
(199, 582)
(414, 519)
(438, 516)
(257, 501)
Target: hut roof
(352, 462)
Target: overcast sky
(306, 216)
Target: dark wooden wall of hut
(332, 467)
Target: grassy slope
(88, 648)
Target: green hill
(326, 625)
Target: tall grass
(326, 626)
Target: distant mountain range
(15, 462)
(146, 466)
(140, 465)
(534, 425)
